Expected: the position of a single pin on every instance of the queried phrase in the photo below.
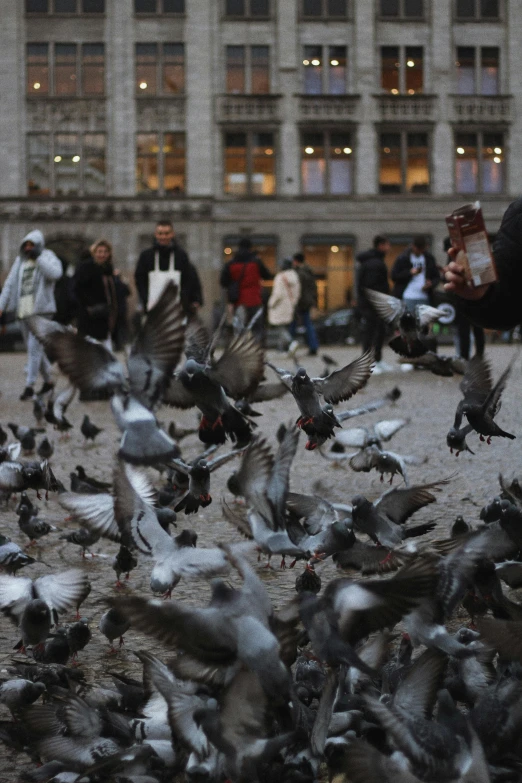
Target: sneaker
(27, 394)
(292, 348)
(383, 367)
(47, 387)
(312, 352)
(377, 370)
(406, 367)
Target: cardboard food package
(468, 233)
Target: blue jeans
(311, 337)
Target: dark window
(93, 69)
(465, 70)
(312, 7)
(235, 8)
(259, 8)
(93, 6)
(404, 163)
(325, 8)
(65, 6)
(390, 66)
(249, 164)
(327, 163)
(173, 6)
(466, 9)
(235, 65)
(173, 68)
(36, 6)
(248, 8)
(489, 70)
(259, 70)
(479, 162)
(478, 9)
(38, 68)
(390, 8)
(336, 8)
(414, 9)
(402, 9)
(65, 69)
(145, 6)
(489, 9)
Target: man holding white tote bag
(165, 261)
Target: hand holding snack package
(468, 235)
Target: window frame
(478, 14)
(248, 15)
(160, 12)
(249, 132)
(403, 69)
(325, 16)
(160, 62)
(477, 70)
(327, 132)
(403, 131)
(325, 72)
(79, 11)
(51, 66)
(480, 133)
(401, 17)
(160, 160)
(51, 137)
(247, 69)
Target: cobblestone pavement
(427, 400)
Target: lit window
(38, 68)
(93, 69)
(402, 69)
(404, 163)
(479, 168)
(160, 164)
(326, 163)
(66, 164)
(247, 70)
(249, 164)
(65, 69)
(477, 70)
(173, 68)
(160, 68)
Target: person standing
(372, 272)
(165, 253)
(29, 290)
(462, 327)
(415, 274)
(95, 293)
(241, 278)
(307, 300)
(283, 301)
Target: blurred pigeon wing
(157, 348)
(237, 517)
(240, 367)
(492, 402)
(389, 308)
(177, 395)
(197, 340)
(192, 563)
(15, 594)
(268, 391)
(344, 383)
(277, 489)
(11, 476)
(365, 460)
(477, 381)
(86, 362)
(356, 437)
(400, 504)
(388, 427)
(255, 469)
(94, 511)
(62, 591)
(427, 315)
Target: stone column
(364, 83)
(288, 59)
(201, 140)
(12, 100)
(121, 100)
(440, 82)
(513, 87)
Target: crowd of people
(95, 297)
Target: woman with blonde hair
(95, 292)
(282, 303)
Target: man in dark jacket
(241, 278)
(165, 247)
(496, 305)
(415, 274)
(372, 273)
(307, 300)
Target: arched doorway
(70, 248)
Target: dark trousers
(464, 328)
(372, 333)
(306, 319)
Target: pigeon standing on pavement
(89, 430)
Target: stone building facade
(306, 124)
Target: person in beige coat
(282, 303)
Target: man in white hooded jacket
(29, 290)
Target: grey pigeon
(33, 527)
(83, 537)
(481, 414)
(45, 448)
(12, 558)
(89, 430)
(19, 693)
(114, 624)
(199, 470)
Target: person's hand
(414, 271)
(427, 285)
(456, 281)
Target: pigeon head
(456, 440)
(186, 538)
(491, 512)
(360, 505)
(301, 376)
(344, 532)
(191, 368)
(408, 321)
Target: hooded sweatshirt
(48, 269)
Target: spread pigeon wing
(492, 402)
(427, 315)
(268, 391)
(15, 594)
(387, 428)
(94, 511)
(157, 348)
(86, 362)
(365, 460)
(355, 437)
(477, 381)
(389, 308)
(399, 504)
(240, 367)
(197, 341)
(177, 395)
(62, 591)
(344, 383)
(11, 476)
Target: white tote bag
(158, 279)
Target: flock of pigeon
(358, 678)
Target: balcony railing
(327, 108)
(248, 108)
(407, 108)
(65, 114)
(160, 113)
(481, 108)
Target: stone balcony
(65, 114)
(160, 113)
(327, 108)
(407, 108)
(248, 108)
(480, 108)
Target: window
(478, 70)
(56, 69)
(247, 70)
(160, 68)
(479, 162)
(319, 9)
(160, 164)
(249, 164)
(66, 164)
(331, 258)
(402, 69)
(247, 8)
(159, 6)
(326, 163)
(478, 9)
(404, 162)
(402, 9)
(324, 70)
(65, 6)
